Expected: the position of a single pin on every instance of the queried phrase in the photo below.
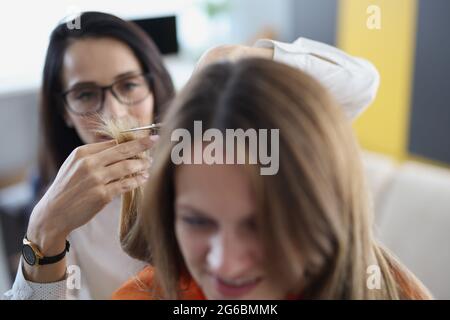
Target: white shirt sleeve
(27, 290)
(352, 81)
(92, 246)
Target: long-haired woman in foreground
(225, 231)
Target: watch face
(29, 255)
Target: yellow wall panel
(384, 126)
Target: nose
(230, 256)
(112, 108)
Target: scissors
(153, 127)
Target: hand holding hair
(91, 177)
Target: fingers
(125, 168)
(92, 148)
(124, 151)
(119, 187)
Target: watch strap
(54, 259)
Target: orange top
(139, 288)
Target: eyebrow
(203, 214)
(93, 83)
(191, 209)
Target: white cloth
(96, 250)
(95, 246)
(352, 81)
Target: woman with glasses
(110, 68)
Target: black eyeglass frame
(148, 76)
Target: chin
(94, 138)
(251, 296)
(102, 138)
(215, 291)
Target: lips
(235, 288)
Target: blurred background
(405, 134)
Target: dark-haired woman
(110, 67)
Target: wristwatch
(33, 256)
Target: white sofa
(412, 214)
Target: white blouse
(95, 248)
(95, 256)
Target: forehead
(217, 190)
(98, 60)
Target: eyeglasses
(89, 99)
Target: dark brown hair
(58, 140)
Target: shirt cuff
(352, 81)
(27, 290)
(282, 52)
(306, 46)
